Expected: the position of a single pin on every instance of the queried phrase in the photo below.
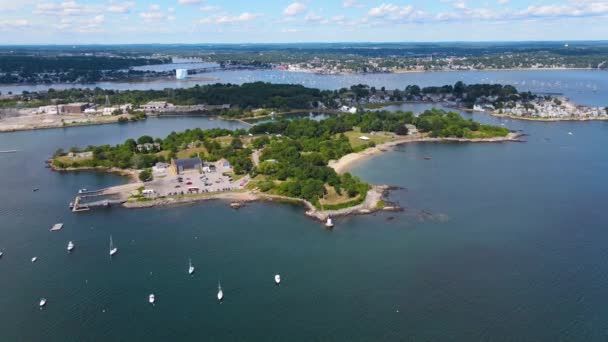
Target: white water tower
(181, 74)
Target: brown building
(74, 108)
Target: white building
(49, 110)
(160, 168)
(347, 109)
(181, 74)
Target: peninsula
(300, 160)
(75, 107)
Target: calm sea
(498, 242)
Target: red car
(177, 186)
(189, 183)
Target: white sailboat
(113, 249)
(220, 293)
(190, 267)
(151, 298)
(1, 254)
(42, 302)
(34, 259)
(277, 279)
(70, 246)
(329, 223)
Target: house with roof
(181, 166)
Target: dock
(79, 206)
(57, 227)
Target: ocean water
(498, 242)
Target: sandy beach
(346, 162)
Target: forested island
(285, 158)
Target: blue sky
(263, 21)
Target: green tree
(145, 175)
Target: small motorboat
(329, 223)
(70, 246)
(42, 302)
(277, 279)
(36, 189)
(81, 191)
(113, 249)
(34, 259)
(1, 254)
(151, 298)
(220, 293)
(190, 267)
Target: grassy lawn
(332, 197)
(189, 151)
(378, 137)
(67, 160)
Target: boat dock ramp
(81, 204)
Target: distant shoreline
(527, 118)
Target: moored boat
(220, 293)
(113, 250)
(329, 223)
(190, 267)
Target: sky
(269, 21)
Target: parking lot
(193, 182)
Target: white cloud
(155, 13)
(351, 3)
(10, 24)
(460, 5)
(189, 2)
(209, 8)
(315, 18)
(503, 2)
(294, 9)
(69, 8)
(120, 7)
(12, 5)
(228, 19)
(394, 13)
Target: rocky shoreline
(373, 202)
